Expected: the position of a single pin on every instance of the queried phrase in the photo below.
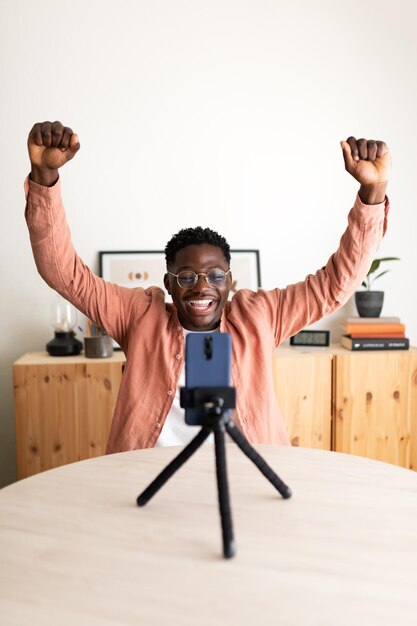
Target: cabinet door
(412, 408)
(97, 384)
(375, 405)
(63, 411)
(303, 387)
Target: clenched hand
(50, 146)
(369, 162)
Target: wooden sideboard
(363, 403)
(63, 408)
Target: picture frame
(146, 268)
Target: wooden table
(76, 550)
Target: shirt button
(158, 424)
(170, 392)
(179, 328)
(178, 357)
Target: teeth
(200, 304)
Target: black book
(373, 343)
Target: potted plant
(369, 302)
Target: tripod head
(208, 398)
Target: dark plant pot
(64, 344)
(98, 347)
(369, 303)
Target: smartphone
(208, 358)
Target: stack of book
(374, 333)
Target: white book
(373, 320)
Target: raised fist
(367, 160)
(50, 146)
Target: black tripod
(214, 401)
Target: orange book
(373, 328)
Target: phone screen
(207, 364)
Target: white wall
(225, 113)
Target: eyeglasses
(188, 280)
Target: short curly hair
(191, 236)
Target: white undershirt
(175, 431)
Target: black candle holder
(64, 344)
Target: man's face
(200, 307)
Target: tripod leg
(256, 458)
(172, 467)
(223, 492)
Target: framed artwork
(246, 270)
(145, 268)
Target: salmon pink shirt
(149, 332)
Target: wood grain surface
(75, 548)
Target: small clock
(312, 338)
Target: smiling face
(199, 308)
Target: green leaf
(374, 266)
(377, 262)
(381, 274)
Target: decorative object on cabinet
(369, 302)
(312, 338)
(373, 343)
(63, 318)
(374, 333)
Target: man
(198, 278)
